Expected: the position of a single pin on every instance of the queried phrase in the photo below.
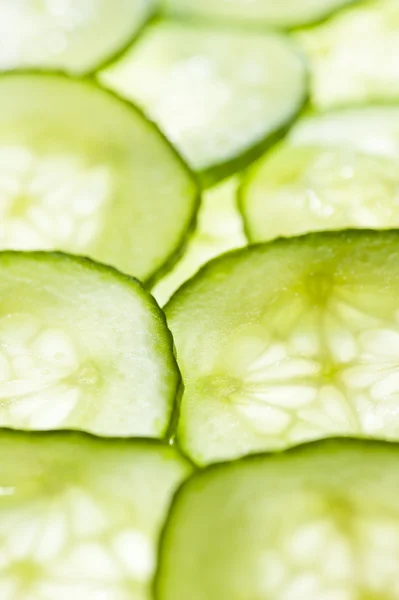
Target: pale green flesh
(73, 35)
(286, 13)
(353, 56)
(334, 171)
(84, 172)
(112, 374)
(215, 93)
(287, 342)
(320, 522)
(80, 517)
(219, 228)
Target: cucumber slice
(334, 171)
(220, 96)
(82, 346)
(76, 36)
(285, 14)
(353, 56)
(219, 229)
(80, 516)
(319, 522)
(289, 341)
(84, 172)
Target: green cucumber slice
(284, 14)
(219, 228)
(319, 522)
(353, 56)
(82, 346)
(76, 36)
(335, 170)
(289, 341)
(220, 96)
(80, 516)
(84, 172)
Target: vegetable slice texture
(319, 521)
(219, 229)
(82, 346)
(286, 13)
(80, 516)
(289, 341)
(352, 56)
(84, 172)
(73, 35)
(335, 170)
(219, 95)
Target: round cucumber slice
(219, 228)
(80, 516)
(82, 346)
(76, 36)
(220, 96)
(353, 56)
(285, 14)
(289, 341)
(84, 172)
(334, 171)
(317, 522)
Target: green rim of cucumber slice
(85, 172)
(318, 521)
(287, 342)
(82, 346)
(76, 37)
(333, 171)
(80, 516)
(220, 96)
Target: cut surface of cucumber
(353, 56)
(289, 341)
(334, 170)
(319, 522)
(84, 172)
(219, 95)
(285, 14)
(80, 516)
(72, 35)
(82, 346)
(219, 228)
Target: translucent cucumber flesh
(114, 374)
(219, 228)
(352, 56)
(217, 94)
(318, 522)
(73, 35)
(289, 342)
(80, 517)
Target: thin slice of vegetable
(220, 96)
(80, 516)
(82, 346)
(289, 341)
(84, 172)
(219, 229)
(317, 522)
(76, 36)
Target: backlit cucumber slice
(335, 170)
(290, 341)
(71, 35)
(353, 56)
(219, 229)
(80, 516)
(82, 346)
(220, 95)
(84, 172)
(319, 522)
